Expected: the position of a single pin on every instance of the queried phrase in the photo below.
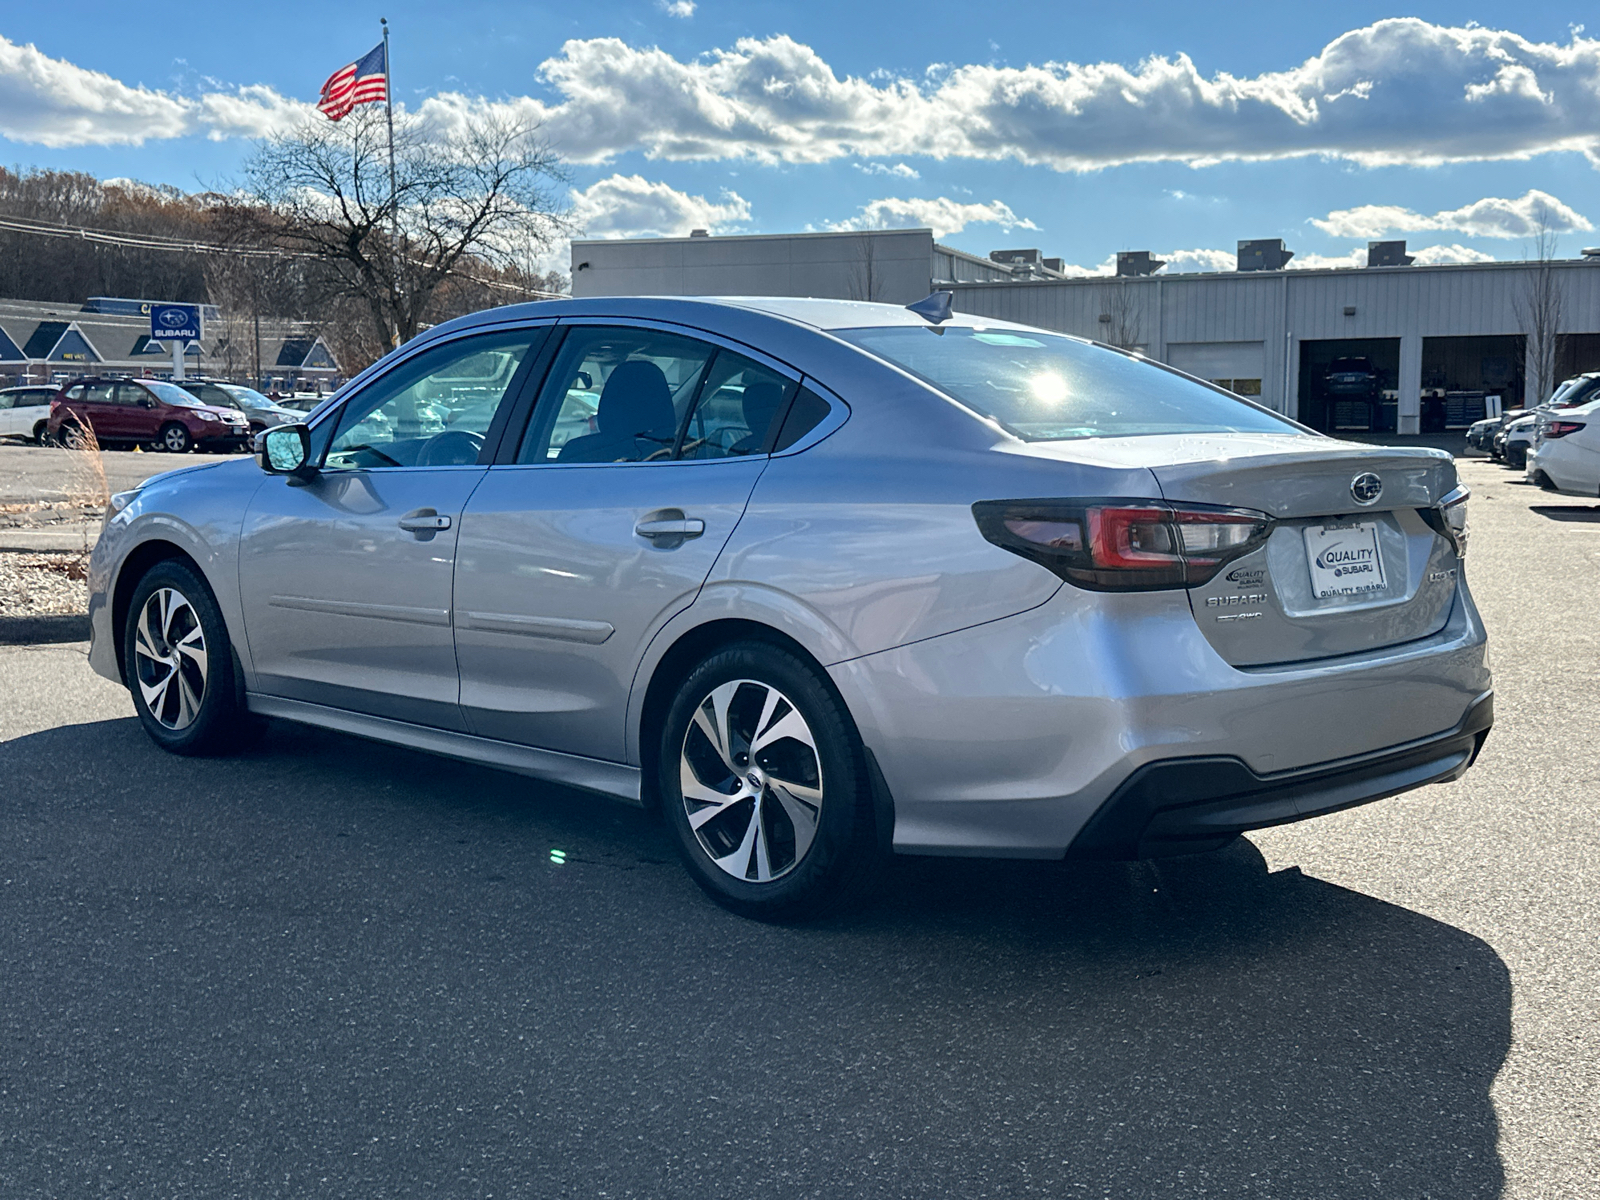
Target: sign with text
(175, 322)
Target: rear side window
(804, 415)
(1043, 387)
(739, 408)
(99, 393)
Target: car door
(600, 524)
(100, 410)
(346, 577)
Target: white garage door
(1218, 360)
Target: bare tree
(472, 198)
(1540, 308)
(864, 283)
(1122, 317)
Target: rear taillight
(1560, 429)
(1123, 545)
(1449, 518)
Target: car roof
(820, 314)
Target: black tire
(219, 723)
(1544, 482)
(175, 439)
(838, 866)
(41, 434)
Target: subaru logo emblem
(1366, 488)
(172, 319)
(753, 780)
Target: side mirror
(286, 450)
(147, 402)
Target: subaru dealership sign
(175, 322)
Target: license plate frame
(1345, 560)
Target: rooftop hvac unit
(1388, 254)
(1264, 254)
(1014, 257)
(1137, 262)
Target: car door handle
(426, 521)
(677, 527)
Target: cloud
(632, 206)
(941, 214)
(678, 8)
(1430, 256)
(899, 170)
(1491, 217)
(1401, 91)
(53, 103)
(1183, 262)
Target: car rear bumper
(1186, 805)
(1006, 739)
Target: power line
(153, 241)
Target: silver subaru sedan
(818, 581)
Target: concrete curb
(36, 631)
(49, 538)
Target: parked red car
(151, 412)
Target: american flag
(364, 81)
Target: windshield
(248, 397)
(1044, 387)
(171, 393)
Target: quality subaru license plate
(1344, 559)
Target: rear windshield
(1043, 387)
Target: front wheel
(764, 782)
(179, 664)
(175, 439)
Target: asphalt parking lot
(336, 969)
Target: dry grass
(43, 584)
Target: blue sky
(766, 117)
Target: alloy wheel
(176, 439)
(751, 779)
(169, 649)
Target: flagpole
(394, 191)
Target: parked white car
(1566, 451)
(1516, 439)
(25, 412)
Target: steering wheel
(452, 448)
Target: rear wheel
(175, 439)
(764, 783)
(72, 437)
(179, 664)
(41, 433)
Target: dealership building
(44, 341)
(1444, 343)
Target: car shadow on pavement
(327, 960)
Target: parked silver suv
(819, 579)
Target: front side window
(167, 393)
(1043, 387)
(434, 409)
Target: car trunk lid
(1351, 565)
